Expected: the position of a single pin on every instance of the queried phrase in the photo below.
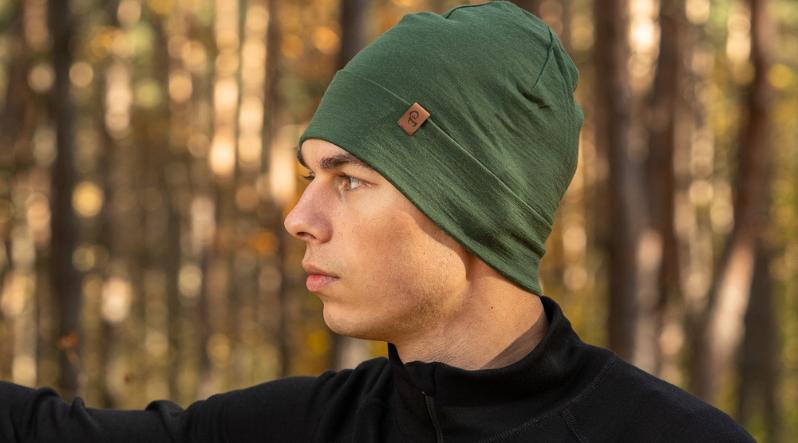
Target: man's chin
(343, 325)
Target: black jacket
(563, 391)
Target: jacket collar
(555, 371)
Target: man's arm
(41, 415)
(279, 410)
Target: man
(438, 157)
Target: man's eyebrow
(335, 161)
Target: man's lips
(317, 277)
(316, 282)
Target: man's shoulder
(313, 391)
(628, 401)
(360, 381)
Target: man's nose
(307, 220)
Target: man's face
(398, 273)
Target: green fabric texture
(492, 162)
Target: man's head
(468, 120)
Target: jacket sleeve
(279, 410)
(40, 415)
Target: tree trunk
(613, 125)
(353, 29)
(17, 118)
(106, 239)
(65, 278)
(109, 340)
(14, 118)
(729, 293)
(170, 252)
(532, 6)
(565, 18)
(272, 104)
(759, 362)
(662, 112)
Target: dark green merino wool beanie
(470, 114)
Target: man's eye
(353, 182)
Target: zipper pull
(433, 416)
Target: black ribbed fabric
(563, 391)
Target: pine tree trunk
(759, 362)
(613, 125)
(65, 278)
(532, 6)
(662, 113)
(729, 294)
(271, 214)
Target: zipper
(433, 417)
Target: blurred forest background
(147, 164)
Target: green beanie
(470, 115)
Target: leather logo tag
(413, 118)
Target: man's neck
(522, 346)
(492, 329)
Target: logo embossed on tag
(413, 118)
